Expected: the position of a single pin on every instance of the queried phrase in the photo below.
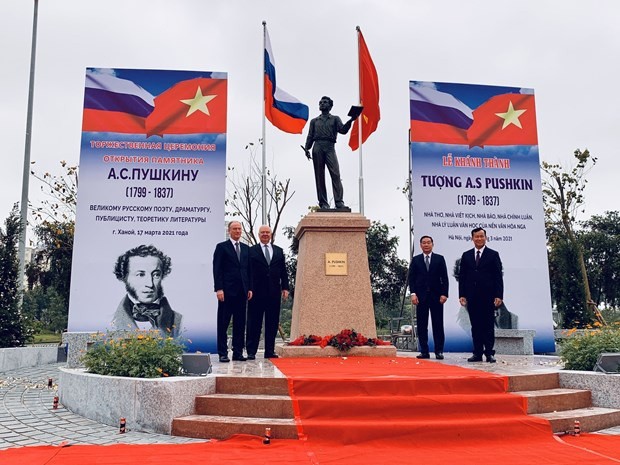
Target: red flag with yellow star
(196, 106)
(369, 96)
(507, 119)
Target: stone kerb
(514, 341)
(324, 303)
(148, 405)
(13, 358)
(605, 387)
(78, 342)
(316, 351)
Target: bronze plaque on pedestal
(336, 264)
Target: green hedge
(140, 354)
(581, 351)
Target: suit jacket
(268, 280)
(432, 282)
(484, 282)
(230, 274)
(168, 322)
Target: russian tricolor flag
(437, 116)
(283, 110)
(112, 104)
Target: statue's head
(326, 103)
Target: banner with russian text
(475, 163)
(150, 203)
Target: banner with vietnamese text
(475, 163)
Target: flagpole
(26, 173)
(359, 126)
(410, 196)
(264, 169)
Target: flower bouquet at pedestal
(343, 341)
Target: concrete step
(533, 381)
(217, 427)
(590, 419)
(247, 405)
(558, 399)
(251, 385)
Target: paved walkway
(27, 416)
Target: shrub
(137, 354)
(580, 352)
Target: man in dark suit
(233, 287)
(270, 284)
(481, 290)
(428, 283)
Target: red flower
(342, 341)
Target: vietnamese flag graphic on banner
(195, 106)
(508, 119)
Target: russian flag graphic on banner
(283, 110)
(437, 116)
(112, 104)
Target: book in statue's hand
(355, 111)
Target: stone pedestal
(326, 303)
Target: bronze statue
(322, 139)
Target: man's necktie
(238, 251)
(146, 312)
(477, 258)
(428, 262)
(267, 255)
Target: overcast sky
(567, 51)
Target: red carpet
(374, 410)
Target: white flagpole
(26, 174)
(410, 196)
(264, 169)
(359, 126)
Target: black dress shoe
(424, 355)
(251, 357)
(239, 358)
(475, 358)
(271, 356)
(491, 359)
(439, 355)
(224, 359)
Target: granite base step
(590, 419)
(222, 427)
(557, 399)
(248, 405)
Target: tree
(46, 309)
(563, 197)
(13, 331)
(388, 272)
(50, 268)
(244, 196)
(600, 239)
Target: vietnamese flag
(369, 95)
(507, 119)
(196, 106)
